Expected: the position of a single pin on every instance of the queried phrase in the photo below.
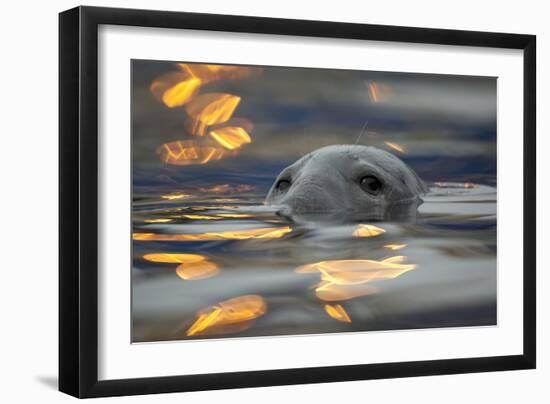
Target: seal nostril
(284, 212)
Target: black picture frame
(78, 201)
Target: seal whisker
(362, 131)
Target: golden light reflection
(337, 312)
(216, 189)
(191, 266)
(358, 271)
(201, 217)
(397, 147)
(211, 109)
(226, 188)
(175, 196)
(208, 73)
(197, 270)
(188, 152)
(157, 220)
(174, 258)
(175, 89)
(181, 93)
(467, 185)
(395, 246)
(339, 278)
(378, 92)
(262, 233)
(220, 318)
(330, 292)
(230, 137)
(234, 215)
(367, 230)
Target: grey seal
(348, 179)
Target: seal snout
(308, 196)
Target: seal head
(347, 178)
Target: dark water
(211, 261)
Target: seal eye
(371, 184)
(283, 185)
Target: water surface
(210, 260)
(450, 247)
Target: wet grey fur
(327, 181)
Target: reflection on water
(367, 230)
(251, 272)
(337, 312)
(210, 260)
(229, 316)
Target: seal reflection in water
(348, 182)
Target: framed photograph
(252, 201)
